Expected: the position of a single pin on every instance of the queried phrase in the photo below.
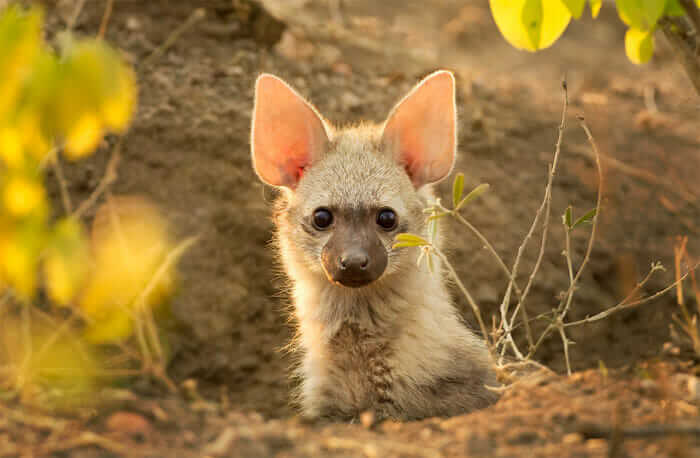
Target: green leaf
(457, 189)
(530, 24)
(595, 7)
(586, 218)
(575, 7)
(476, 192)
(640, 14)
(674, 8)
(408, 240)
(639, 45)
(567, 217)
(603, 369)
(403, 245)
(531, 18)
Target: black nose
(353, 261)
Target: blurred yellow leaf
(595, 8)
(20, 39)
(640, 14)
(112, 325)
(575, 7)
(639, 45)
(11, 147)
(530, 24)
(22, 196)
(51, 357)
(118, 108)
(33, 139)
(84, 136)
(66, 263)
(130, 243)
(19, 260)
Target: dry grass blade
(689, 321)
(62, 183)
(193, 18)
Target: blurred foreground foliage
(68, 297)
(536, 24)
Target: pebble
(128, 422)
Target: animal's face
(346, 211)
(348, 192)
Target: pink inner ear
(421, 131)
(288, 135)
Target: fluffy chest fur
(399, 351)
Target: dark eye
(387, 219)
(322, 218)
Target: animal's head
(348, 192)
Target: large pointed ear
(287, 135)
(421, 131)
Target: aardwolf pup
(376, 331)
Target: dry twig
(193, 18)
(105, 19)
(544, 209)
(566, 302)
(625, 305)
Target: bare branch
(622, 306)
(105, 19)
(62, 183)
(591, 239)
(193, 18)
(73, 20)
(693, 11)
(544, 209)
(108, 178)
(683, 50)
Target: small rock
(596, 445)
(221, 444)
(367, 419)
(572, 438)
(133, 23)
(295, 47)
(350, 100)
(329, 54)
(649, 387)
(342, 68)
(189, 437)
(523, 437)
(128, 422)
(425, 433)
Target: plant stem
(685, 53)
(463, 289)
(623, 306)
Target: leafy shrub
(65, 293)
(536, 24)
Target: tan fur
(397, 346)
